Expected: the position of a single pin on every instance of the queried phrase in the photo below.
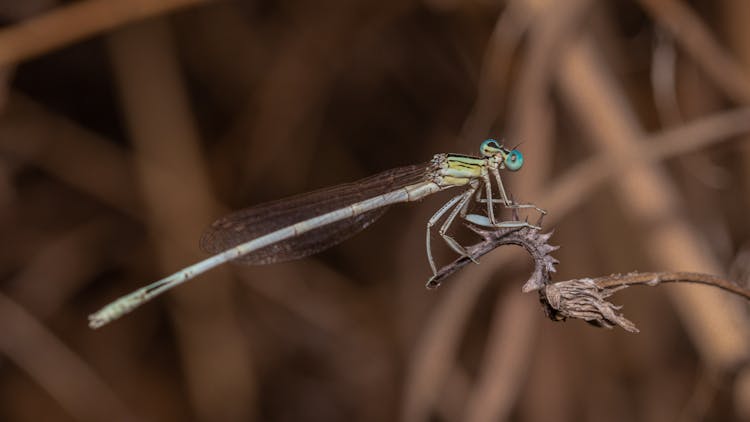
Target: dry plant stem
(112, 162)
(534, 242)
(437, 348)
(579, 298)
(58, 370)
(504, 364)
(585, 298)
(160, 124)
(655, 278)
(650, 197)
(695, 37)
(109, 162)
(74, 22)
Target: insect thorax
(456, 169)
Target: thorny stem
(535, 243)
(582, 298)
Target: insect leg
(465, 197)
(431, 222)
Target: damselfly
(303, 225)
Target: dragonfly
(309, 223)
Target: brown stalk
(584, 298)
(74, 22)
(713, 322)
(572, 190)
(648, 196)
(547, 30)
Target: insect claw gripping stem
(527, 237)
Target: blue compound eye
(489, 148)
(514, 160)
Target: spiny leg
(431, 222)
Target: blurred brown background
(127, 126)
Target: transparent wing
(242, 226)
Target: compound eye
(514, 160)
(489, 148)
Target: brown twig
(601, 106)
(577, 298)
(570, 191)
(75, 22)
(655, 278)
(530, 239)
(584, 298)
